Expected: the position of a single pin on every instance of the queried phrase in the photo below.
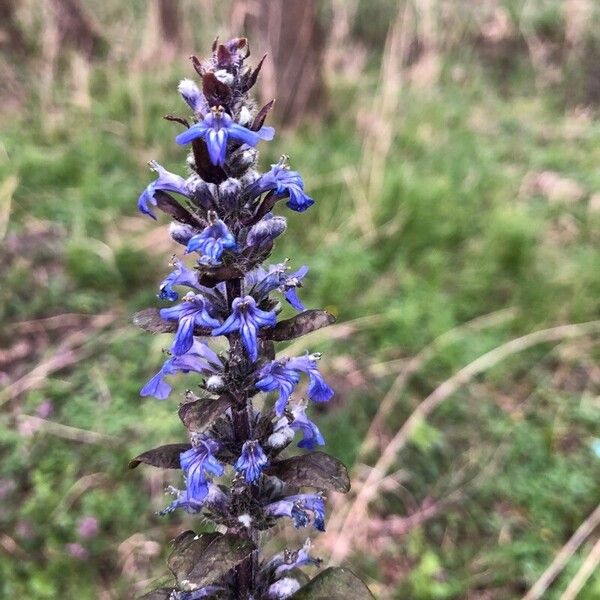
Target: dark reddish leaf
(197, 64)
(305, 322)
(216, 92)
(249, 83)
(164, 457)
(335, 583)
(169, 205)
(197, 415)
(176, 119)
(316, 469)
(261, 116)
(201, 560)
(150, 320)
(204, 167)
(224, 57)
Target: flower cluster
(220, 288)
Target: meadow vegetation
(469, 204)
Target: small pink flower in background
(87, 527)
(45, 409)
(76, 550)
(24, 530)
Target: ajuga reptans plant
(237, 470)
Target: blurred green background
(453, 150)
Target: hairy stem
(241, 414)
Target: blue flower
(278, 279)
(298, 508)
(252, 461)
(184, 500)
(199, 359)
(311, 435)
(282, 375)
(318, 390)
(246, 318)
(192, 95)
(167, 181)
(286, 561)
(193, 311)
(182, 275)
(216, 128)
(275, 376)
(195, 463)
(283, 182)
(213, 240)
(265, 231)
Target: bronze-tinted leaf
(305, 322)
(203, 165)
(197, 64)
(198, 561)
(164, 457)
(211, 276)
(316, 469)
(170, 206)
(249, 83)
(224, 57)
(335, 583)
(175, 119)
(149, 319)
(197, 415)
(216, 92)
(261, 116)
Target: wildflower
(167, 181)
(87, 527)
(193, 311)
(192, 95)
(76, 550)
(185, 501)
(252, 461)
(299, 509)
(195, 463)
(287, 560)
(275, 376)
(284, 374)
(283, 182)
(247, 318)
(182, 275)
(278, 279)
(213, 240)
(198, 359)
(216, 128)
(311, 435)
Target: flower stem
(241, 415)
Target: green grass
(466, 244)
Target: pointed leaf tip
(163, 457)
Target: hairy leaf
(335, 583)
(201, 560)
(251, 80)
(216, 92)
(262, 114)
(197, 415)
(170, 206)
(316, 469)
(305, 322)
(149, 319)
(164, 457)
